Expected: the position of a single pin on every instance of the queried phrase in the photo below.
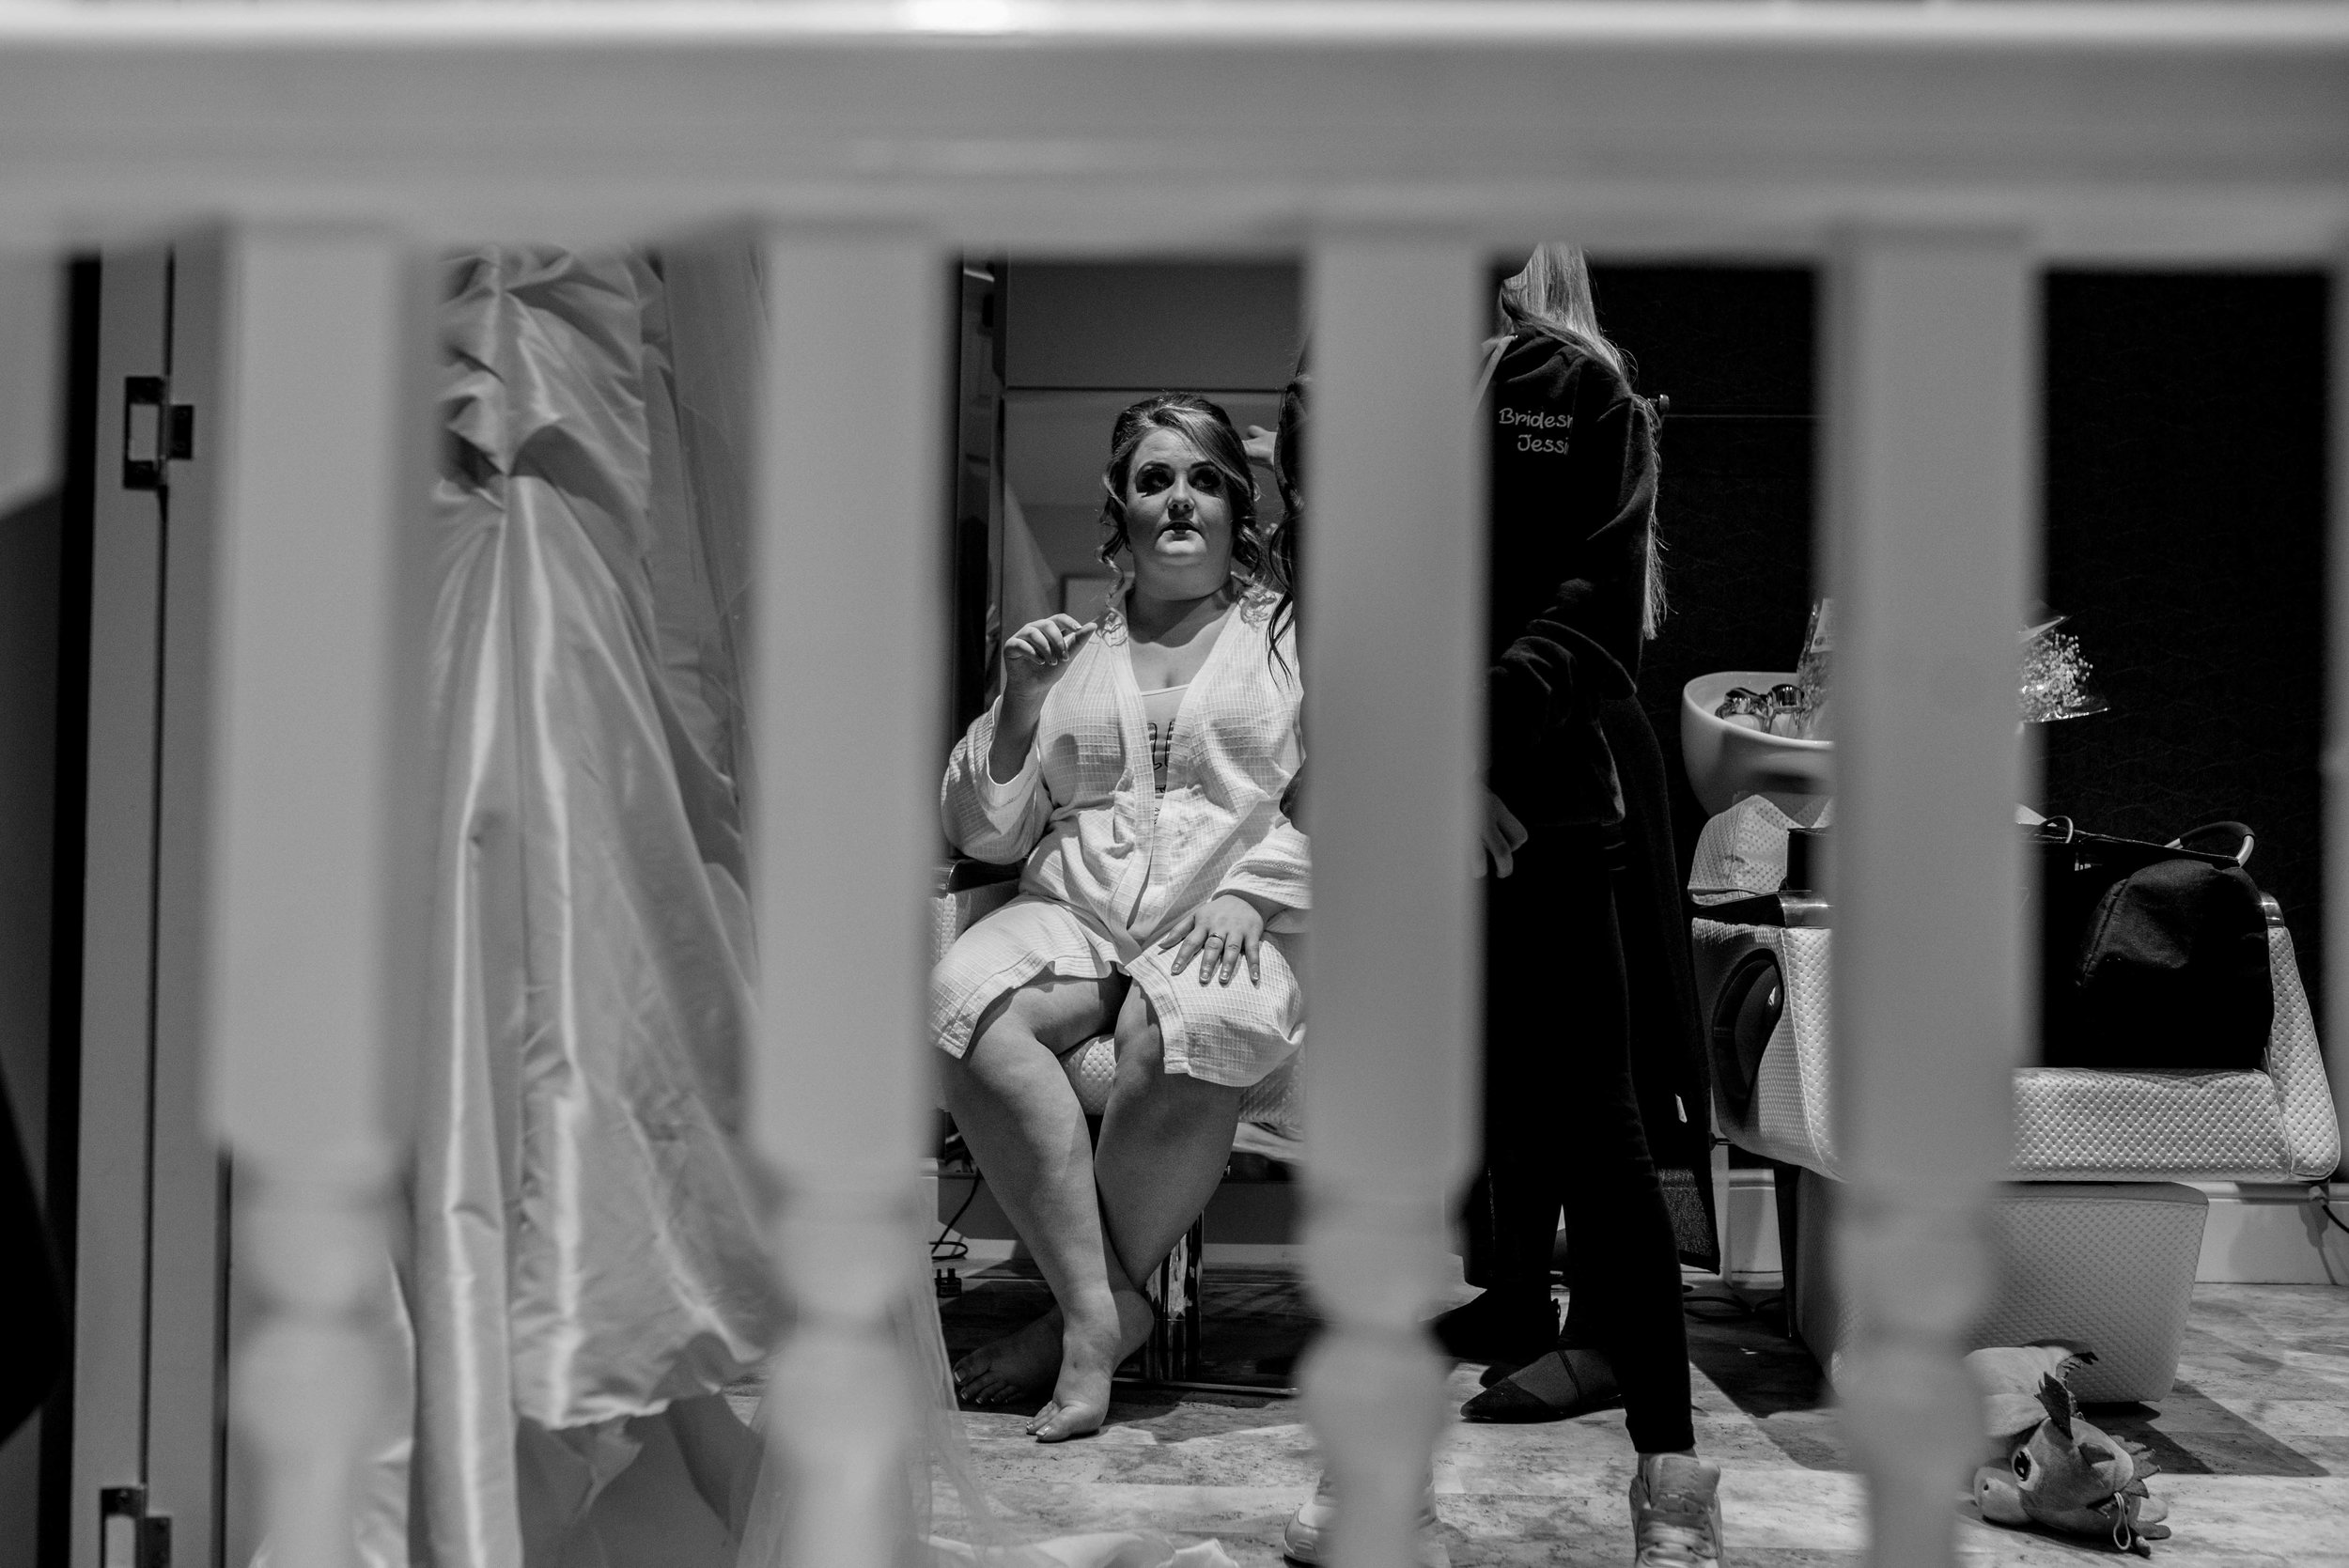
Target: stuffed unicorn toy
(2048, 1466)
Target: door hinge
(156, 432)
(129, 1535)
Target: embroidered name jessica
(1542, 443)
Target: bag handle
(2225, 836)
(2231, 840)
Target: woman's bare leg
(1015, 1106)
(1165, 1140)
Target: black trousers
(1563, 1129)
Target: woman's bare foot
(1089, 1358)
(1019, 1364)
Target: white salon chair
(2096, 1237)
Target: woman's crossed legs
(1098, 1220)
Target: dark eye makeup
(1152, 477)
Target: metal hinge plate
(156, 432)
(130, 1536)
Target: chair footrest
(2110, 1265)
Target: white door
(148, 1348)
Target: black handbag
(2153, 956)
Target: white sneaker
(1308, 1530)
(1676, 1513)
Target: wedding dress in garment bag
(583, 1274)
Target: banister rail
(1929, 156)
(2121, 130)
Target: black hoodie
(1573, 511)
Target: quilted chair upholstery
(2110, 1265)
(2070, 1125)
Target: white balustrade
(1392, 616)
(312, 909)
(1690, 133)
(1933, 375)
(851, 671)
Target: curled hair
(1209, 430)
(1288, 470)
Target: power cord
(947, 1281)
(2324, 1202)
(957, 1248)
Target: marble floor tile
(1229, 1513)
(1809, 1510)
(1282, 1456)
(1531, 1460)
(1024, 1461)
(2254, 1442)
(1485, 1528)
(2290, 1419)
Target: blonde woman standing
(1574, 594)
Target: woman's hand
(1504, 835)
(1219, 934)
(1037, 655)
(1034, 659)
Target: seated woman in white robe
(1137, 766)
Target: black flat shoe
(1508, 1401)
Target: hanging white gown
(588, 1268)
(587, 1239)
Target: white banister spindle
(314, 722)
(2335, 1019)
(1932, 375)
(850, 482)
(1392, 614)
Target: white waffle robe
(1113, 864)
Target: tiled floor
(2254, 1445)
